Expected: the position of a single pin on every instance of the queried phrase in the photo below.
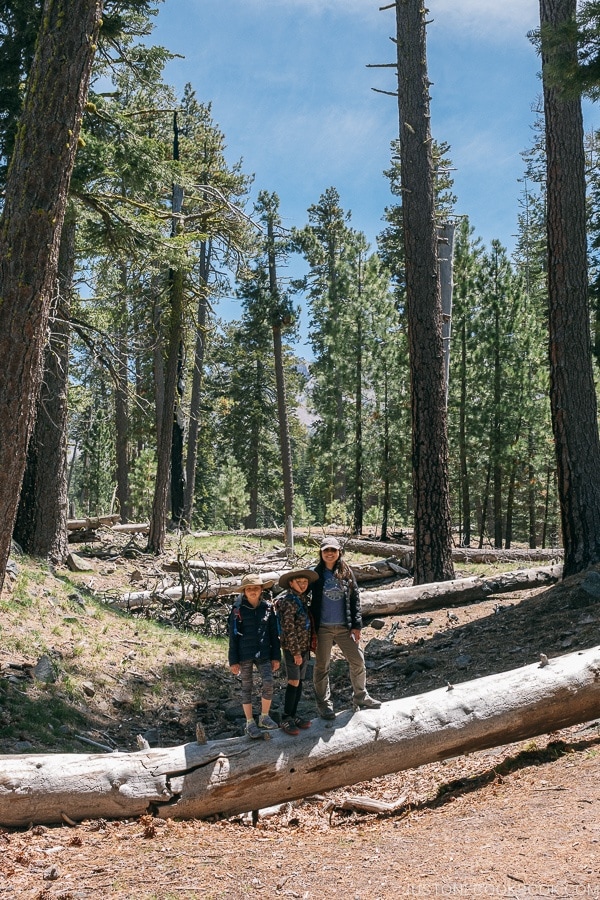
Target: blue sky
(291, 91)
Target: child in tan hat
(254, 641)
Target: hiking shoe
(265, 721)
(289, 726)
(367, 703)
(252, 729)
(299, 722)
(326, 712)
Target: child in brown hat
(254, 641)
(296, 638)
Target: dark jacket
(253, 631)
(295, 623)
(351, 597)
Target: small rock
(44, 670)
(22, 746)
(463, 661)
(591, 584)
(77, 563)
(88, 688)
(377, 624)
(51, 874)
(152, 736)
(421, 622)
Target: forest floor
(521, 820)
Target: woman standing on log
(336, 611)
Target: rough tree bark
(282, 416)
(433, 537)
(41, 522)
(572, 392)
(197, 380)
(236, 775)
(31, 224)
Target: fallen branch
(365, 804)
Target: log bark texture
(232, 776)
(395, 601)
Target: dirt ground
(522, 820)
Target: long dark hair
(341, 569)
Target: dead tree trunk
(233, 776)
(396, 601)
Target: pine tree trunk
(254, 461)
(191, 459)
(41, 523)
(432, 533)
(158, 520)
(496, 431)
(122, 406)
(572, 392)
(462, 439)
(282, 417)
(358, 440)
(30, 228)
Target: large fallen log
(396, 601)
(364, 572)
(236, 775)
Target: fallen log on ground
(228, 777)
(404, 552)
(374, 571)
(396, 601)
(92, 522)
(132, 528)
(221, 588)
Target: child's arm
(275, 642)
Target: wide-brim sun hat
(309, 574)
(330, 543)
(254, 579)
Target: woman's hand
(275, 664)
(298, 659)
(235, 668)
